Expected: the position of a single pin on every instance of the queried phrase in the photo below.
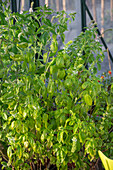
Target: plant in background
(49, 106)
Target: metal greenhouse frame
(84, 9)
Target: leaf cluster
(52, 107)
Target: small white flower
(34, 107)
(97, 40)
(30, 10)
(73, 72)
(21, 12)
(74, 139)
(79, 54)
(14, 115)
(6, 18)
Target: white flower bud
(30, 10)
(21, 12)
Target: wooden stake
(51, 4)
(94, 10)
(46, 2)
(111, 10)
(13, 168)
(40, 166)
(64, 5)
(57, 5)
(102, 17)
(24, 5)
(31, 166)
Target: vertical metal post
(1, 5)
(83, 20)
(36, 3)
(14, 6)
(19, 6)
(83, 15)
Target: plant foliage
(51, 108)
